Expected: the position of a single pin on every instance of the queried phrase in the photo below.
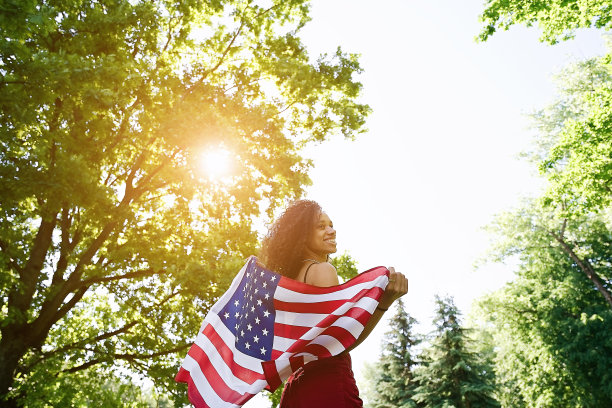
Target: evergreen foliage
(393, 382)
(451, 374)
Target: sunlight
(216, 163)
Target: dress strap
(306, 273)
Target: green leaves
(558, 19)
(548, 323)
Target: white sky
(440, 157)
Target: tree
(550, 324)
(557, 19)
(113, 244)
(575, 141)
(573, 151)
(393, 382)
(451, 375)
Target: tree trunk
(12, 349)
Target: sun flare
(216, 163)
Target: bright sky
(440, 157)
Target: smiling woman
(216, 163)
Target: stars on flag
(251, 310)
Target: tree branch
(586, 267)
(21, 296)
(219, 62)
(130, 275)
(76, 345)
(132, 358)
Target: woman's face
(322, 239)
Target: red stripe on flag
(318, 350)
(272, 376)
(296, 332)
(341, 334)
(302, 287)
(245, 374)
(359, 314)
(220, 387)
(288, 331)
(192, 391)
(328, 306)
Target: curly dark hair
(282, 248)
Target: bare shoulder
(323, 274)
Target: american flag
(266, 326)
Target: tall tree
(113, 244)
(572, 151)
(393, 383)
(550, 324)
(451, 375)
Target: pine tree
(393, 379)
(451, 375)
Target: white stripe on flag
(351, 325)
(299, 319)
(224, 371)
(204, 388)
(288, 295)
(312, 319)
(282, 343)
(283, 367)
(330, 343)
(228, 338)
(366, 303)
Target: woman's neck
(310, 255)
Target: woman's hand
(397, 287)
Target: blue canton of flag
(250, 313)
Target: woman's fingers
(398, 283)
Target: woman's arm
(397, 287)
(324, 275)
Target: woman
(297, 246)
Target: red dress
(325, 383)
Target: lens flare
(216, 163)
